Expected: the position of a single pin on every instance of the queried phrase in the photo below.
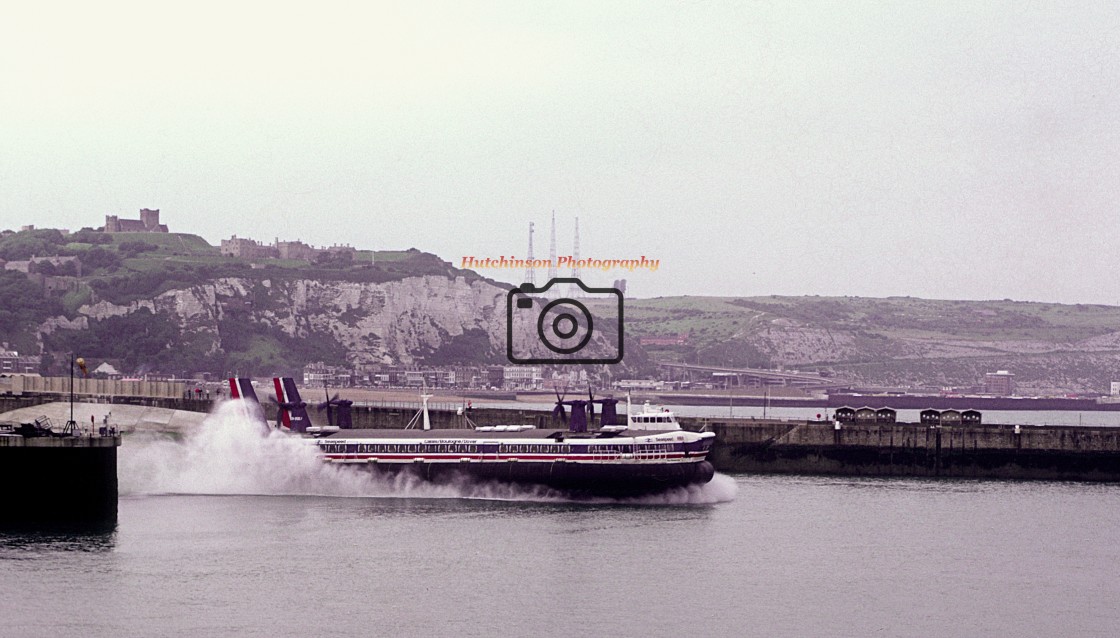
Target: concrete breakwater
(901, 449)
(872, 449)
(813, 447)
(9, 403)
(58, 479)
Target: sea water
(232, 531)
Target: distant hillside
(898, 341)
(173, 303)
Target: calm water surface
(229, 532)
(788, 556)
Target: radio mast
(530, 275)
(552, 250)
(575, 290)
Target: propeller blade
(559, 411)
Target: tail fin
(293, 410)
(242, 389)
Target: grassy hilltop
(897, 341)
(131, 269)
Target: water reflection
(28, 540)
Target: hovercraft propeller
(608, 413)
(286, 408)
(338, 410)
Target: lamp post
(71, 426)
(71, 421)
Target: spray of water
(232, 453)
(720, 489)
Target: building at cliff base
(12, 363)
(1001, 383)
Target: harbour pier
(58, 479)
(772, 446)
(909, 449)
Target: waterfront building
(1001, 383)
(319, 374)
(522, 377)
(12, 363)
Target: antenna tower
(552, 250)
(530, 275)
(575, 290)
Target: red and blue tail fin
(293, 410)
(240, 388)
(243, 389)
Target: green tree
(91, 236)
(22, 307)
(99, 258)
(139, 339)
(31, 243)
(135, 247)
(337, 259)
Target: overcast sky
(952, 150)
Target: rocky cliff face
(391, 322)
(374, 322)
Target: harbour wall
(25, 391)
(58, 480)
(19, 385)
(808, 447)
(15, 402)
(900, 449)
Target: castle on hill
(148, 223)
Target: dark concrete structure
(50, 480)
(878, 447)
(898, 449)
(9, 403)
